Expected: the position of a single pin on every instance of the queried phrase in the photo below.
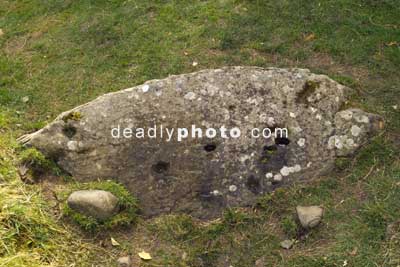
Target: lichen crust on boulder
(202, 176)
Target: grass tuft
(37, 162)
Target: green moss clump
(75, 116)
(289, 226)
(308, 89)
(37, 162)
(342, 163)
(3, 121)
(128, 206)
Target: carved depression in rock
(201, 176)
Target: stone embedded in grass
(124, 261)
(25, 99)
(98, 204)
(309, 216)
(114, 137)
(287, 244)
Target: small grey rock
(309, 216)
(98, 204)
(287, 244)
(392, 229)
(124, 261)
(25, 99)
(260, 262)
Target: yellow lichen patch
(75, 116)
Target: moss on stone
(308, 89)
(289, 226)
(127, 202)
(37, 162)
(75, 116)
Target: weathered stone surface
(124, 261)
(98, 204)
(201, 175)
(309, 216)
(287, 244)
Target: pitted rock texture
(201, 176)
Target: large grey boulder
(98, 204)
(201, 176)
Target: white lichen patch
(227, 116)
(98, 166)
(361, 119)
(355, 130)
(301, 142)
(244, 158)
(297, 168)
(278, 177)
(285, 171)
(212, 89)
(72, 145)
(297, 129)
(271, 121)
(347, 115)
(145, 88)
(292, 114)
(190, 96)
(349, 143)
(341, 142)
(269, 175)
(232, 188)
(331, 142)
(263, 117)
(129, 89)
(338, 143)
(253, 101)
(215, 193)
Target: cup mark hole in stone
(69, 131)
(161, 167)
(270, 148)
(282, 141)
(253, 184)
(231, 107)
(210, 147)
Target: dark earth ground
(63, 53)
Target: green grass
(30, 234)
(64, 53)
